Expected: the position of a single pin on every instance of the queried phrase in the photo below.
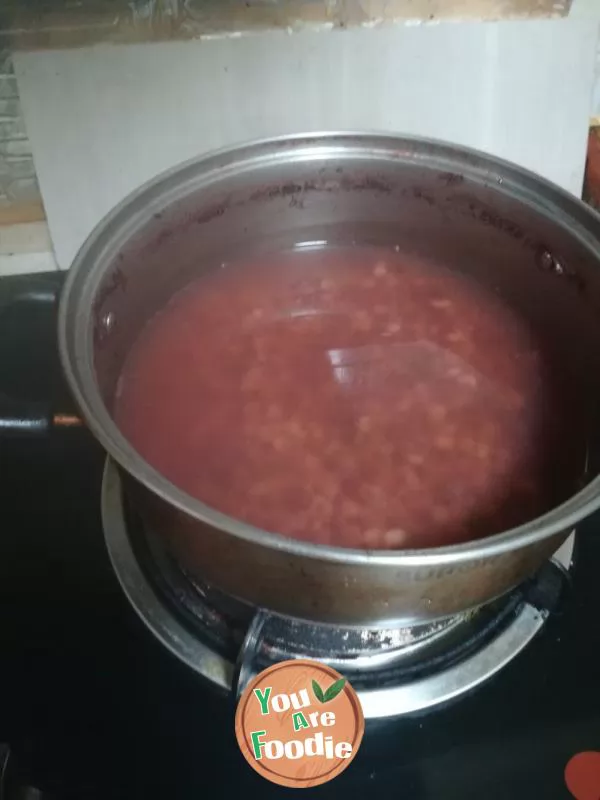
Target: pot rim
(559, 519)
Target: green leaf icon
(334, 690)
(318, 692)
(329, 694)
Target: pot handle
(27, 418)
(24, 417)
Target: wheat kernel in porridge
(483, 451)
(362, 321)
(468, 380)
(394, 538)
(438, 412)
(372, 538)
(441, 514)
(365, 424)
(441, 302)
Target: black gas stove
(93, 705)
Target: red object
(582, 776)
(592, 170)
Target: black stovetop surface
(92, 706)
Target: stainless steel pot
(527, 239)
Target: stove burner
(395, 670)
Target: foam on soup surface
(353, 397)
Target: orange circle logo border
(294, 705)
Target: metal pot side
(509, 229)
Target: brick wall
(20, 199)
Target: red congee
(354, 397)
